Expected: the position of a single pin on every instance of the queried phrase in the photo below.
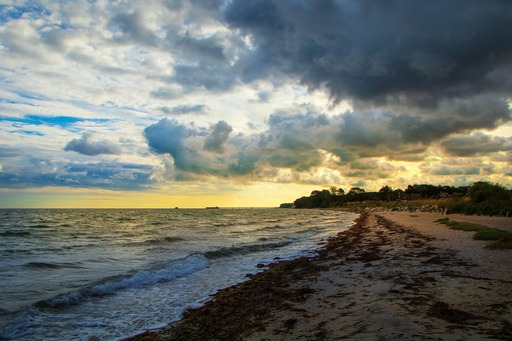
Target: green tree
(356, 194)
(336, 191)
(386, 193)
(485, 191)
(356, 191)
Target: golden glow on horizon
(256, 195)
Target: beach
(391, 276)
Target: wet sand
(391, 276)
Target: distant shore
(391, 276)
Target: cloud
(205, 48)
(445, 170)
(369, 49)
(406, 56)
(168, 136)
(297, 139)
(476, 144)
(204, 75)
(185, 109)
(41, 172)
(129, 27)
(86, 146)
(7, 151)
(285, 91)
(218, 137)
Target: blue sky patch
(61, 121)
(33, 11)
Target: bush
(491, 208)
(484, 191)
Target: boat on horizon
(212, 207)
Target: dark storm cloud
(368, 49)
(399, 131)
(414, 72)
(476, 144)
(87, 146)
(416, 58)
(216, 140)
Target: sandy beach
(391, 276)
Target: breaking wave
(176, 269)
(246, 249)
(44, 265)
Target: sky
(195, 103)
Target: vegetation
(462, 226)
(502, 239)
(482, 198)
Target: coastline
(391, 276)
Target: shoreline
(391, 276)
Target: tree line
(478, 193)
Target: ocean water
(80, 274)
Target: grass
(462, 226)
(501, 239)
(491, 234)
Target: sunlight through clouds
(146, 96)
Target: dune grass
(501, 239)
(462, 226)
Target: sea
(86, 274)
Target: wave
(235, 223)
(242, 250)
(280, 226)
(144, 277)
(40, 226)
(14, 233)
(158, 241)
(43, 265)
